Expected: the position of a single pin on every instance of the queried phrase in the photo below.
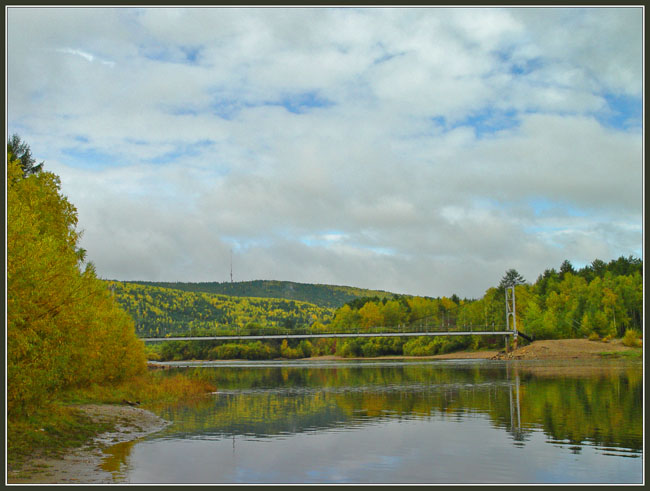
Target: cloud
(418, 150)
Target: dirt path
(84, 465)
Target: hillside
(159, 311)
(329, 296)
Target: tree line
(598, 301)
(64, 329)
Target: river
(473, 421)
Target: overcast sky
(415, 150)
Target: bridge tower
(511, 316)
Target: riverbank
(84, 465)
(548, 349)
(570, 349)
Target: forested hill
(330, 296)
(159, 311)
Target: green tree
(63, 327)
(566, 267)
(20, 151)
(511, 278)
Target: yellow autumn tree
(63, 327)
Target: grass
(636, 354)
(49, 433)
(151, 387)
(58, 427)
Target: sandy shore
(565, 349)
(84, 465)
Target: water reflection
(573, 406)
(116, 458)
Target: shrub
(349, 348)
(306, 348)
(370, 349)
(632, 339)
(291, 353)
(420, 346)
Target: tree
(511, 278)
(20, 151)
(599, 267)
(566, 267)
(64, 328)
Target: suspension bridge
(299, 334)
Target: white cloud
(385, 148)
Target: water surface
(473, 421)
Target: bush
(370, 349)
(632, 338)
(349, 348)
(291, 353)
(420, 346)
(306, 348)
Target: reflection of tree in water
(259, 402)
(116, 457)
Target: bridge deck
(333, 335)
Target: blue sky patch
(301, 103)
(545, 207)
(518, 67)
(88, 157)
(324, 238)
(188, 150)
(485, 122)
(187, 55)
(227, 108)
(623, 112)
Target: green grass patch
(50, 433)
(627, 355)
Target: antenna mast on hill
(231, 266)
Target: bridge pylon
(511, 314)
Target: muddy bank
(565, 349)
(459, 355)
(84, 465)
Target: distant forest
(329, 296)
(159, 311)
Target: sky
(422, 151)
